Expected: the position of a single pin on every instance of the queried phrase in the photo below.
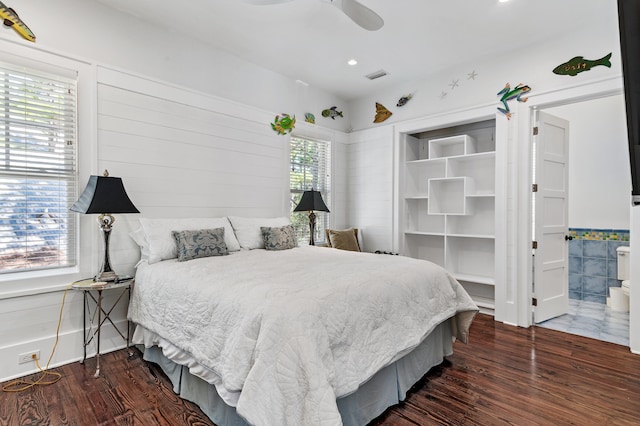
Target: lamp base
(106, 273)
(107, 276)
(312, 228)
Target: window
(310, 169)
(37, 170)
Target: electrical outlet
(28, 356)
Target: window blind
(37, 169)
(310, 169)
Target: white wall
(370, 187)
(88, 29)
(599, 171)
(532, 66)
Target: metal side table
(94, 311)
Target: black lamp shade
(311, 201)
(104, 194)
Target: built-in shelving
(448, 198)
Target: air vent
(377, 74)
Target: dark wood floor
(504, 376)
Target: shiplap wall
(184, 154)
(370, 186)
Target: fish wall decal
(332, 113)
(579, 64)
(403, 100)
(509, 94)
(11, 19)
(382, 113)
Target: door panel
(551, 278)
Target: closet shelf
(487, 306)
(426, 162)
(448, 200)
(482, 236)
(435, 234)
(474, 278)
(481, 195)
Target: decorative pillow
(248, 232)
(162, 245)
(280, 238)
(201, 243)
(344, 240)
(138, 237)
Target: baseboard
(69, 349)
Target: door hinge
(534, 187)
(535, 131)
(534, 301)
(534, 245)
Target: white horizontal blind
(37, 170)
(310, 169)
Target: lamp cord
(20, 385)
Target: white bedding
(283, 334)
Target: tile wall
(593, 262)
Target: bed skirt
(387, 387)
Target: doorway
(598, 216)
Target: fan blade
(362, 15)
(266, 2)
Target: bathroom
(599, 190)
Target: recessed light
(352, 62)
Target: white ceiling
(310, 40)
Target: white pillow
(162, 246)
(248, 231)
(139, 238)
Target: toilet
(619, 300)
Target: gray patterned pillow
(279, 238)
(200, 243)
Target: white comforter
(286, 333)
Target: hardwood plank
(532, 376)
(504, 376)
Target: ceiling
(310, 40)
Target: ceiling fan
(359, 13)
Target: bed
(296, 336)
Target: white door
(551, 277)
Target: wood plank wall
(370, 186)
(182, 154)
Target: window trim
(15, 284)
(39, 107)
(321, 241)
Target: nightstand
(96, 314)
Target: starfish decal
(472, 75)
(454, 84)
(443, 95)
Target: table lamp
(311, 201)
(104, 195)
